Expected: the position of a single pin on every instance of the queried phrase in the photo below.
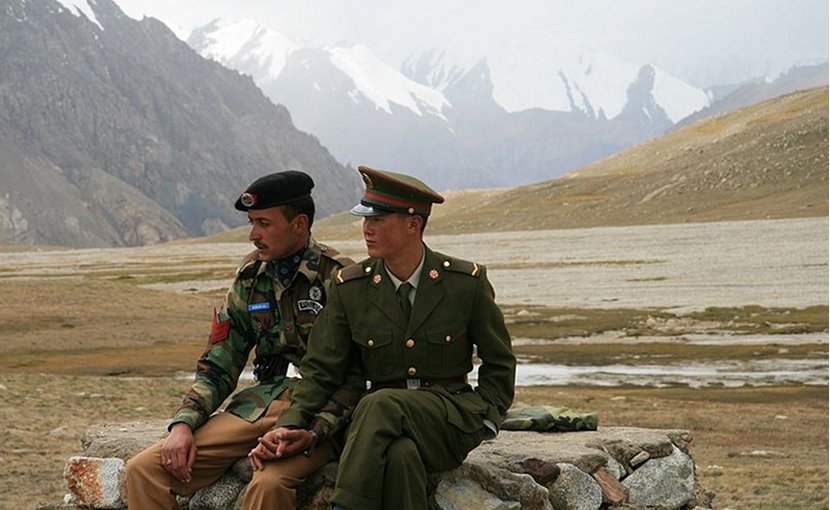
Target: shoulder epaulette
(250, 266)
(352, 272)
(462, 266)
(333, 254)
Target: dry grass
(43, 416)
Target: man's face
(273, 235)
(388, 235)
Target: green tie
(403, 298)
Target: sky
(677, 35)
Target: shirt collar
(413, 278)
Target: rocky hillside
(764, 161)
(797, 78)
(114, 132)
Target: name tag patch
(307, 305)
(253, 307)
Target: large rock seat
(612, 467)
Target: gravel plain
(682, 267)
(679, 267)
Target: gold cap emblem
(367, 181)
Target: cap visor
(363, 210)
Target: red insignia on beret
(248, 199)
(218, 330)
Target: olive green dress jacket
(363, 328)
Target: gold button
(446, 263)
(412, 371)
(448, 339)
(410, 343)
(370, 343)
(367, 270)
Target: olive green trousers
(397, 436)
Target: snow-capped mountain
(245, 46)
(556, 78)
(263, 53)
(509, 114)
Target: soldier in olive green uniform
(411, 318)
(277, 294)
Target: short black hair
(303, 205)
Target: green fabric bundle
(549, 418)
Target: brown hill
(766, 161)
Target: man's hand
(278, 443)
(178, 453)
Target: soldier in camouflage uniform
(411, 317)
(270, 308)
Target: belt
(414, 384)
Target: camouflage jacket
(549, 418)
(261, 313)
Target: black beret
(275, 189)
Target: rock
(639, 458)
(615, 469)
(517, 470)
(612, 490)
(95, 482)
(122, 440)
(624, 443)
(221, 494)
(503, 484)
(461, 493)
(666, 483)
(575, 490)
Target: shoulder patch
(462, 266)
(351, 272)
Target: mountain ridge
(116, 133)
(452, 120)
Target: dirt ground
(755, 448)
(90, 336)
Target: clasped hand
(178, 452)
(278, 443)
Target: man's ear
(415, 222)
(301, 223)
